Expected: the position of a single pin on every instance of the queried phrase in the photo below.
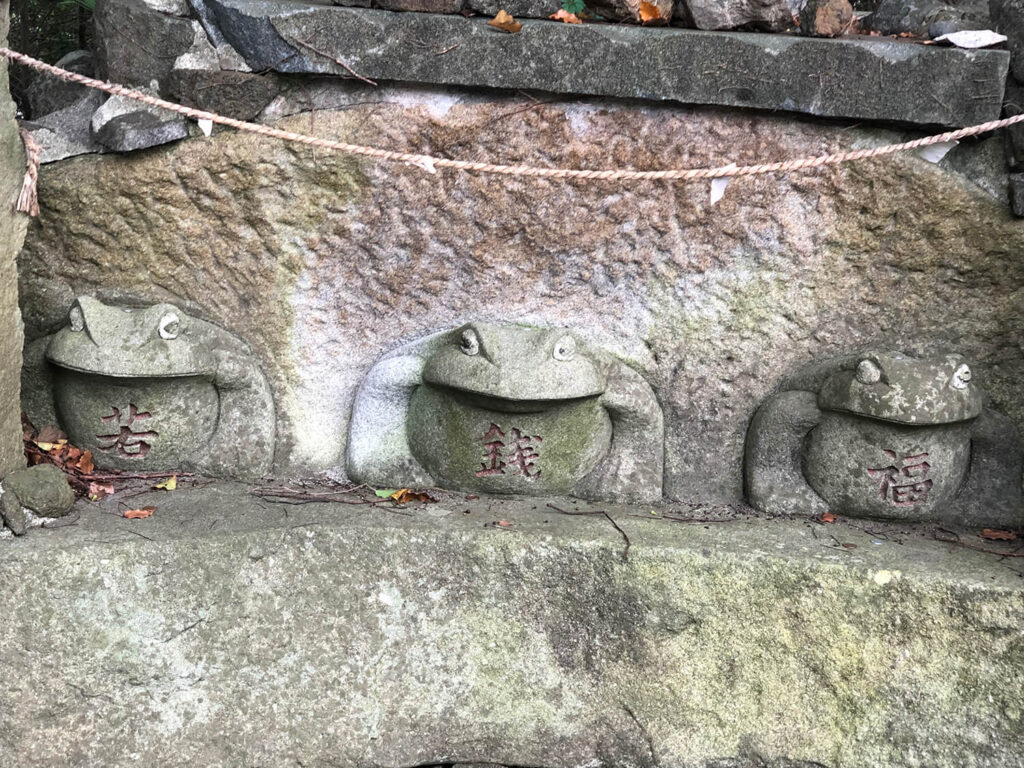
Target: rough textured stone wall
(12, 231)
(323, 262)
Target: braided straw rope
(430, 163)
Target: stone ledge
(226, 630)
(907, 83)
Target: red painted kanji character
(492, 463)
(902, 494)
(127, 441)
(523, 455)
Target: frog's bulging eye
(961, 377)
(868, 372)
(169, 326)
(565, 348)
(469, 343)
(76, 318)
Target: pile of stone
(1008, 16)
(239, 58)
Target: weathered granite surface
(907, 82)
(229, 630)
(769, 15)
(885, 436)
(508, 408)
(12, 232)
(46, 94)
(151, 388)
(324, 263)
(67, 132)
(138, 41)
(42, 491)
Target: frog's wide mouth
(508, 405)
(127, 373)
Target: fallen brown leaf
(563, 15)
(98, 491)
(649, 12)
(996, 535)
(405, 495)
(138, 514)
(827, 517)
(505, 22)
(85, 464)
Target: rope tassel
(28, 200)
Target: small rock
(66, 132)
(915, 17)
(826, 18)
(235, 94)
(638, 11)
(419, 6)
(40, 491)
(139, 130)
(947, 22)
(172, 7)
(1017, 194)
(1014, 135)
(47, 94)
(138, 41)
(520, 9)
(767, 15)
(126, 125)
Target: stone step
(229, 630)
(862, 78)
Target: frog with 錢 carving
(511, 409)
(152, 389)
(888, 436)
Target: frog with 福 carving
(888, 436)
(511, 409)
(152, 388)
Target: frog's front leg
(773, 470)
(378, 442)
(242, 444)
(37, 396)
(634, 468)
(991, 494)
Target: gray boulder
(126, 125)
(1008, 18)
(1017, 194)
(42, 490)
(520, 9)
(135, 43)
(47, 94)
(235, 94)
(66, 132)
(922, 17)
(767, 15)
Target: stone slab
(901, 82)
(12, 233)
(229, 630)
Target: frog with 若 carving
(887, 436)
(152, 389)
(511, 409)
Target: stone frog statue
(152, 389)
(508, 409)
(885, 435)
